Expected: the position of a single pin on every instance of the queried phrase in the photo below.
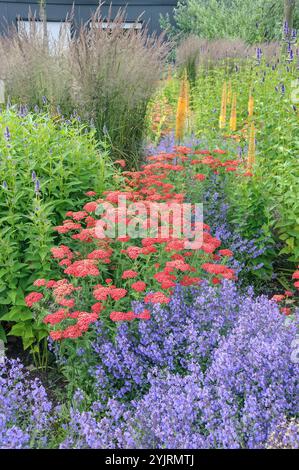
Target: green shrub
(268, 201)
(254, 21)
(46, 167)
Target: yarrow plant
(102, 274)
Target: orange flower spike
(233, 117)
(250, 106)
(229, 93)
(182, 109)
(251, 147)
(222, 119)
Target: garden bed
(149, 299)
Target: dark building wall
(57, 10)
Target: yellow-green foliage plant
(46, 167)
(272, 84)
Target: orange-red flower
(33, 298)
(139, 286)
(83, 268)
(156, 298)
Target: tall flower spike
(182, 110)
(187, 98)
(233, 116)
(250, 106)
(251, 147)
(229, 93)
(222, 119)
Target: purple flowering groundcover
(213, 369)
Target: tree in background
(289, 10)
(254, 21)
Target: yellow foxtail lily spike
(250, 106)
(229, 92)
(251, 147)
(233, 116)
(222, 119)
(181, 114)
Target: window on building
(57, 31)
(126, 25)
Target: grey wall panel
(57, 10)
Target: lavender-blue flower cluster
(25, 410)
(214, 372)
(250, 256)
(212, 369)
(188, 330)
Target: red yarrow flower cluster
(33, 298)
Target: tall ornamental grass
(33, 70)
(194, 52)
(106, 73)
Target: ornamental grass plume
(182, 110)
(115, 74)
(222, 119)
(34, 67)
(233, 117)
(251, 147)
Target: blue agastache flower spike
(286, 28)
(37, 187)
(7, 134)
(259, 54)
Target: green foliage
(269, 200)
(254, 21)
(46, 167)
